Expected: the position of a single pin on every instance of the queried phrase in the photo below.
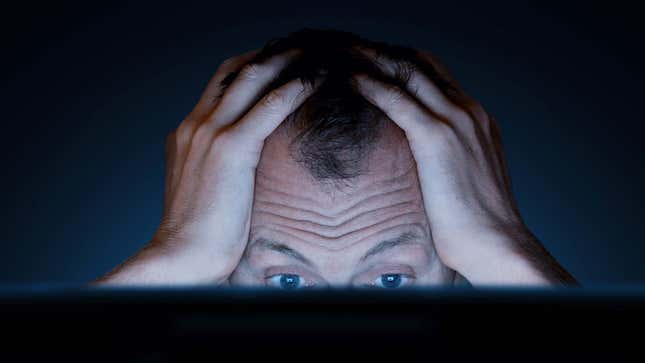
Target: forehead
(389, 159)
(291, 205)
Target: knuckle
(460, 116)
(394, 95)
(408, 67)
(225, 136)
(444, 133)
(184, 133)
(235, 144)
(443, 129)
(228, 62)
(223, 68)
(224, 141)
(232, 63)
(274, 100)
(202, 136)
(251, 71)
(461, 119)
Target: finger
(455, 92)
(401, 108)
(247, 87)
(272, 109)
(441, 68)
(451, 88)
(206, 102)
(205, 105)
(419, 84)
(213, 89)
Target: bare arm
(210, 177)
(475, 224)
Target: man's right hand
(210, 176)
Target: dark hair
(336, 128)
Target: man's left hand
(475, 223)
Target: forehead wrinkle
(373, 188)
(319, 235)
(415, 226)
(349, 219)
(338, 214)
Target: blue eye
(285, 281)
(392, 281)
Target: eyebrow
(405, 238)
(272, 245)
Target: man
(329, 160)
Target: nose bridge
(337, 267)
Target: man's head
(337, 199)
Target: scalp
(335, 130)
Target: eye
(393, 281)
(286, 281)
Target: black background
(204, 324)
(90, 91)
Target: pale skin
(334, 230)
(238, 210)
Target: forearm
(538, 259)
(155, 265)
(513, 258)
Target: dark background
(91, 91)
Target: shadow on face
(372, 231)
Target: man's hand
(475, 223)
(210, 176)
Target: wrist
(505, 256)
(187, 262)
(162, 263)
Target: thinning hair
(335, 129)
